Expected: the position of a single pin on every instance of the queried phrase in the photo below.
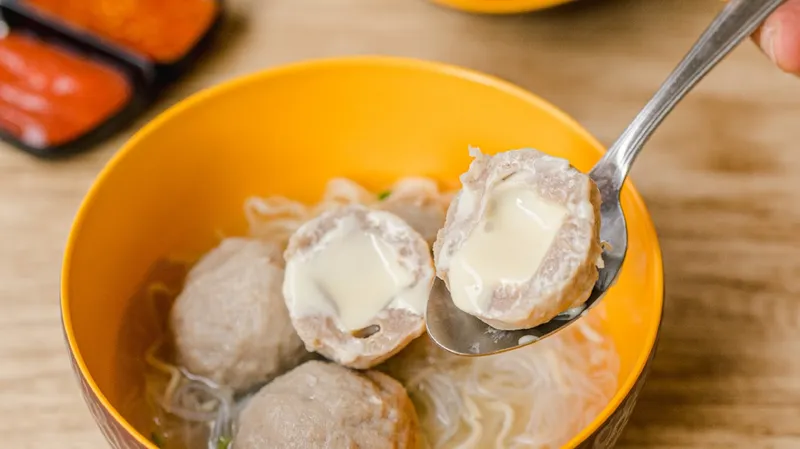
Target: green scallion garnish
(156, 439)
(223, 442)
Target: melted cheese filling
(506, 247)
(353, 277)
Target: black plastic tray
(148, 78)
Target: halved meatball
(521, 242)
(357, 284)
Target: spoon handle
(737, 20)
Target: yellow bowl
(184, 177)
(501, 6)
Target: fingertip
(779, 37)
(767, 38)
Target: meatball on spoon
(475, 324)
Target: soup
(538, 396)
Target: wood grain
(720, 179)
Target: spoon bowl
(463, 334)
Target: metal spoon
(463, 334)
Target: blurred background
(719, 179)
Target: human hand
(779, 37)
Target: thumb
(779, 37)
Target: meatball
(323, 405)
(521, 240)
(230, 322)
(357, 284)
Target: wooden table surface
(720, 178)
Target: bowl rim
(415, 64)
(498, 7)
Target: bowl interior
(182, 181)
